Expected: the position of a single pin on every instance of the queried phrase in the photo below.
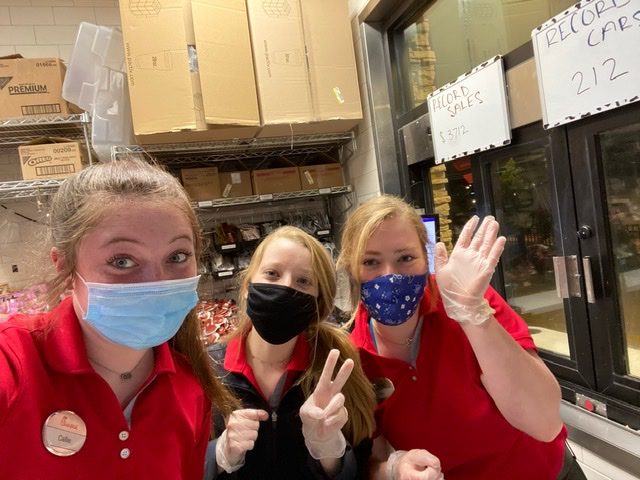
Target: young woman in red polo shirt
(455, 366)
(114, 381)
(296, 422)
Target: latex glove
(239, 437)
(413, 465)
(323, 414)
(464, 277)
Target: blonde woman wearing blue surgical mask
(113, 382)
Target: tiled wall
(361, 169)
(47, 28)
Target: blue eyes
(126, 262)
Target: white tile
(592, 474)
(73, 15)
(63, 35)
(9, 232)
(4, 16)
(38, 51)
(31, 15)
(367, 184)
(17, 36)
(52, 3)
(603, 467)
(108, 16)
(95, 3)
(7, 50)
(64, 52)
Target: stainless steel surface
(560, 273)
(241, 149)
(28, 188)
(373, 45)
(271, 197)
(416, 137)
(588, 279)
(591, 404)
(573, 276)
(611, 441)
(16, 131)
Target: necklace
(272, 363)
(124, 376)
(407, 343)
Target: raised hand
(239, 437)
(414, 465)
(323, 414)
(464, 277)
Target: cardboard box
(171, 88)
(321, 176)
(201, 183)
(46, 158)
(280, 63)
(333, 74)
(305, 66)
(235, 184)
(31, 86)
(275, 180)
(225, 62)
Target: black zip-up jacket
(279, 451)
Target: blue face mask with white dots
(392, 299)
(140, 315)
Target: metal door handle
(560, 274)
(567, 277)
(588, 279)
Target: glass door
(605, 160)
(528, 188)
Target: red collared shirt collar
(235, 359)
(65, 348)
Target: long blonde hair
(321, 334)
(359, 227)
(82, 202)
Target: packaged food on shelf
(218, 317)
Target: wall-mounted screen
(431, 225)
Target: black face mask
(279, 313)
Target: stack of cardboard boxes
(221, 69)
(33, 87)
(207, 183)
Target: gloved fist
(414, 464)
(323, 414)
(464, 277)
(239, 437)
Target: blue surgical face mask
(140, 315)
(392, 299)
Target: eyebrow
(400, 250)
(306, 271)
(113, 240)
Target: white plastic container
(96, 82)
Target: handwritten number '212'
(612, 75)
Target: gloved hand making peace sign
(464, 277)
(323, 414)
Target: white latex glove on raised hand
(323, 414)
(239, 437)
(413, 465)
(463, 278)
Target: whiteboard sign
(470, 115)
(587, 60)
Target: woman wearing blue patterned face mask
(462, 391)
(113, 382)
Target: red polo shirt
(441, 405)
(41, 373)
(235, 360)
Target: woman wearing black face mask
(296, 422)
